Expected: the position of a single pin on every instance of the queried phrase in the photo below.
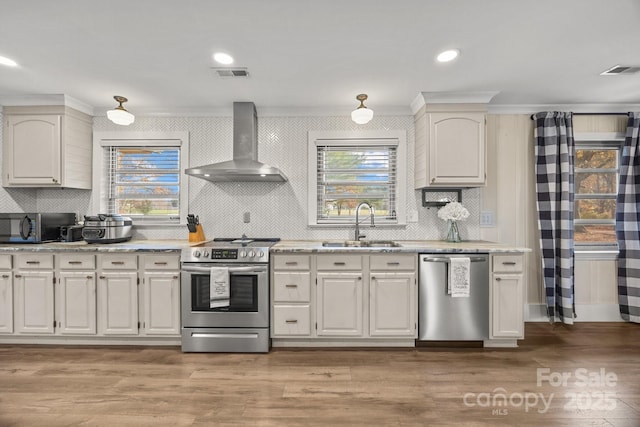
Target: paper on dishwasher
(459, 277)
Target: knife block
(198, 235)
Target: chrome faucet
(371, 214)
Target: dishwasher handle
(446, 259)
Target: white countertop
(406, 246)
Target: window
(597, 162)
(142, 177)
(345, 171)
(144, 181)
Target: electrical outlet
(246, 217)
(413, 216)
(487, 219)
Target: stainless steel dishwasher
(444, 318)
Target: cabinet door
(6, 302)
(33, 150)
(339, 304)
(34, 302)
(76, 303)
(118, 296)
(161, 303)
(392, 310)
(507, 306)
(457, 149)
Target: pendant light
(362, 114)
(119, 115)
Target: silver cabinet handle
(89, 277)
(339, 263)
(75, 262)
(117, 262)
(5, 276)
(498, 279)
(393, 263)
(291, 321)
(33, 262)
(160, 263)
(508, 263)
(291, 286)
(18, 276)
(291, 263)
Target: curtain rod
(594, 114)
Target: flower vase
(453, 234)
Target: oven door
(248, 297)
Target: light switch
(246, 217)
(487, 219)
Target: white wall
(510, 192)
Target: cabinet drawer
(392, 262)
(339, 262)
(507, 263)
(291, 320)
(34, 261)
(291, 262)
(292, 287)
(161, 262)
(76, 262)
(119, 262)
(5, 262)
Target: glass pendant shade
(119, 115)
(362, 114)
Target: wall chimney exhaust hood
(245, 165)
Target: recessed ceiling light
(223, 58)
(448, 55)
(8, 62)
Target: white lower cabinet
(344, 298)
(75, 297)
(339, 304)
(34, 292)
(83, 295)
(392, 309)
(76, 303)
(291, 296)
(118, 309)
(160, 302)
(6, 295)
(393, 296)
(507, 297)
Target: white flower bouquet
(453, 211)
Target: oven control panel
(227, 255)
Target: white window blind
(348, 175)
(144, 182)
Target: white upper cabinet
(46, 146)
(450, 148)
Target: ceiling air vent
(231, 72)
(619, 70)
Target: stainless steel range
(225, 296)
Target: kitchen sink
(362, 244)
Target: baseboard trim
(584, 313)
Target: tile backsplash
(276, 209)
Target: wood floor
(589, 375)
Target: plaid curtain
(628, 223)
(554, 153)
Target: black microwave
(33, 227)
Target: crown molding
(574, 108)
(48, 99)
